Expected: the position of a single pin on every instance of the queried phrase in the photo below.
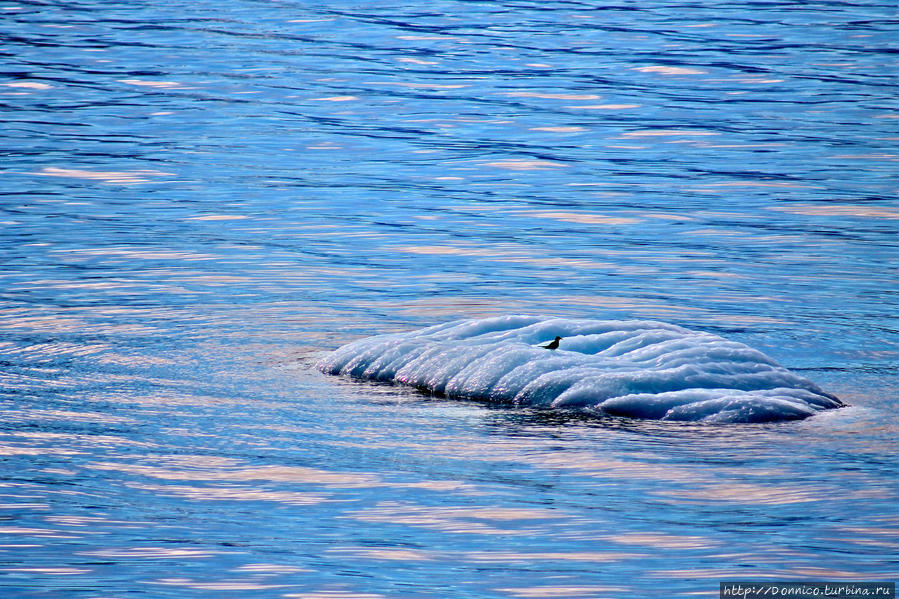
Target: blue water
(199, 200)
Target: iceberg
(630, 368)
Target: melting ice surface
(634, 368)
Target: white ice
(632, 368)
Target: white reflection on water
(606, 107)
(579, 217)
(455, 520)
(669, 70)
(48, 571)
(384, 553)
(149, 553)
(218, 585)
(37, 85)
(552, 96)
(232, 493)
(112, 177)
(552, 556)
(834, 209)
(565, 591)
(662, 540)
(269, 569)
(156, 84)
(754, 494)
(41, 533)
(326, 594)
(670, 133)
(524, 165)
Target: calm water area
(201, 199)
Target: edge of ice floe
(497, 360)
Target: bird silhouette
(554, 344)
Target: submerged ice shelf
(633, 368)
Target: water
(201, 199)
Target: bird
(554, 344)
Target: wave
(632, 368)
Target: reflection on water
(199, 200)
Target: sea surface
(201, 199)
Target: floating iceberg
(633, 368)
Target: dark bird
(554, 344)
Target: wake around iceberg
(633, 368)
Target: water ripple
(199, 200)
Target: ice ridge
(632, 368)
